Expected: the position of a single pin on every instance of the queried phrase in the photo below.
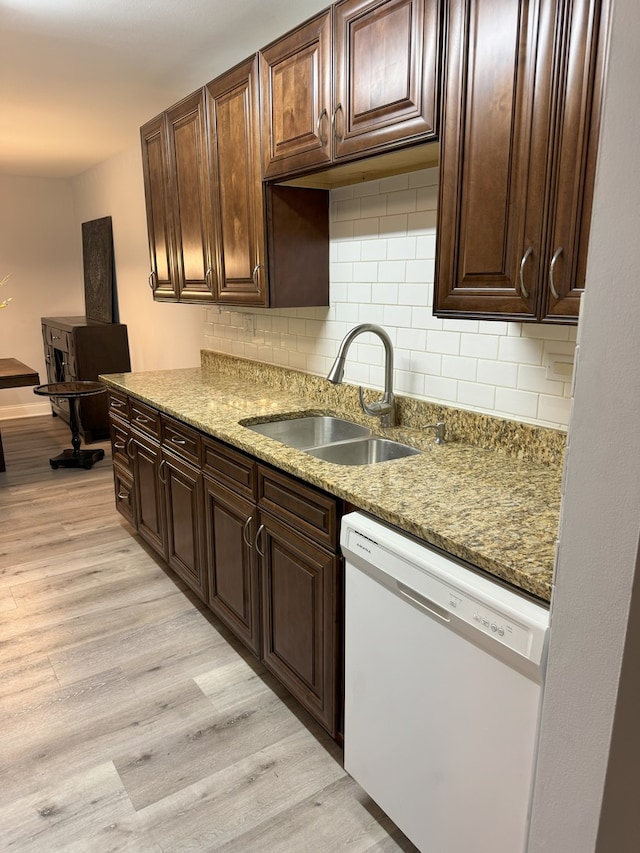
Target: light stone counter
(486, 506)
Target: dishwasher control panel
(447, 590)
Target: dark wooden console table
(14, 374)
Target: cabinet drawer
(123, 482)
(306, 510)
(118, 404)
(57, 338)
(229, 467)
(144, 418)
(181, 439)
(119, 439)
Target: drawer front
(57, 338)
(144, 418)
(119, 440)
(182, 440)
(118, 405)
(123, 482)
(229, 467)
(304, 509)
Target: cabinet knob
(524, 260)
(552, 266)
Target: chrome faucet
(384, 408)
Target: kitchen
(166, 336)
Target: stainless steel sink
(364, 451)
(313, 431)
(334, 440)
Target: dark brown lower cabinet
(259, 547)
(299, 619)
(150, 510)
(231, 562)
(185, 531)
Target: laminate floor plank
(130, 718)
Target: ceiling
(79, 77)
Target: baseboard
(25, 410)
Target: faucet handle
(440, 429)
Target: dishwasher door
(443, 683)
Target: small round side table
(73, 458)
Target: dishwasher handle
(424, 603)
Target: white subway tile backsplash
(447, 343)
(457, 367)
(382, 257)
(515, 403)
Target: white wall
(382, 271)
(586, 798)
(161, 335)
(40, 247)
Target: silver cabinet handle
(130, 450)
(207, 276)
(117, 445)
(160, 472)
(152, 275)
(245, 531)
(334, 123)
(254, 274)
(179, 441)
(141, 419)
(552, 265)
(123, 496)
(319, 125)
(525, 257)
(116, 404)
(260, 529)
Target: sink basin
(334, 440)
(365, 451)
(313, 431)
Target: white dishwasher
(444, 672)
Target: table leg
(73, 424)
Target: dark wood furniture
(259, 547)
(273, 242)
(358, 79)
(14, 374)
(72, 392)
(522, 89)
(76, 349)
(180, 230)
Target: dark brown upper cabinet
(358, 79)
(174, 148)
(520, 122)
(272, 242)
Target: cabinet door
(494, 157)
(149, 501)
(185, 531)
(580, 60)
(386, 58)
(155, 169)
(299, 617)
(234, 133)
(296, 88)
(232, 567)
(189, 191)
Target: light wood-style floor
(130, 719)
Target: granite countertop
(486, 506)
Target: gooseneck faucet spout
(384, 408)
